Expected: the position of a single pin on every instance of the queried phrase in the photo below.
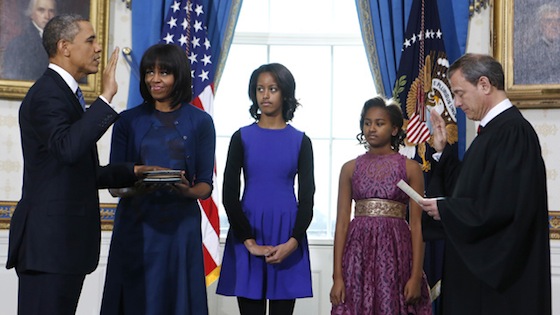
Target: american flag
(417, 130)
(186, 26)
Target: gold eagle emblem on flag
(430, 91)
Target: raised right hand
(439, 134)
(110, 85)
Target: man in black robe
(497, 256)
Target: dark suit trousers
(43, 293)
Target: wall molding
(107, 213)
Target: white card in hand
(409, 191)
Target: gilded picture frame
(15, 20)
(531, 61)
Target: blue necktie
(80, 97)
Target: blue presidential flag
(422, 84)
(422, 88)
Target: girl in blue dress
(266, 254)
(155, 263)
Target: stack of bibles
(163, 176)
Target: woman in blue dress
(155, 263)
(266, 254)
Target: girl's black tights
(258, 307)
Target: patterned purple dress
(377, 257)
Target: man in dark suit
(25, 58)
(55, 230)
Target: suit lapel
(68, 93)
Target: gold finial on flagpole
(128, 3)
(476, 6)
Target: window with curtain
(320, 42)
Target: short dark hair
(474, 66)
(395, 114)
(60, 27)
(174, 59)
(286, 84)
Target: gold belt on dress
(374, 207)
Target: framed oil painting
(22, 56)
(526, 41)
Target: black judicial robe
(497, 258)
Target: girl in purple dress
(266, 255)
(378, 255)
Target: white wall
(545, 122)
(321, 265)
